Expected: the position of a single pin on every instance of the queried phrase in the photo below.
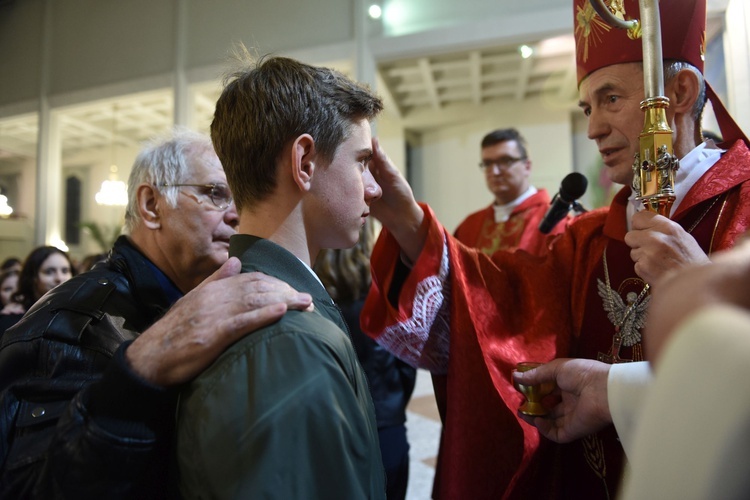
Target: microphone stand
(578, 208)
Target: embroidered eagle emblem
(630, 316)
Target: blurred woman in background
(44, 268)
(8, 285)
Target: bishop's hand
(659, 245)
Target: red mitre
(683, 34)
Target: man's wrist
(411, 233)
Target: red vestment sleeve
(496, 318)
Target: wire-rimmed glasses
(219, 194)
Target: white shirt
(502, 212)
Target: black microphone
(572, 187)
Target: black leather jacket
(75, 421)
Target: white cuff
(627, 385)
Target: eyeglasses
(220, 195)
(503, 163)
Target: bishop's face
(610, 98)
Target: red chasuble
(512, 307)
(520, 231)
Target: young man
(87, 377)
(476, 317)
(286, 412)
(511, 222)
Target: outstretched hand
(202, 324)
(583, 408)
(396, 209)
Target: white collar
(502, 212)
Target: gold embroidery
(589, 28)
(501, 235)
(593, 452)
(716, 226)
(618, 9)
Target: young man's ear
(303, 165)
(149, 206)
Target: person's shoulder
(299, 343)
(310, 328)
(479, 214)
(65, 311)
(473, 221)
(591, 219)
(294, 331)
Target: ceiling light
(56, 242)
(113, 192)
(5, 209)
(374, 11)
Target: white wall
(448, 178)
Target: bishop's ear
(302, 158)
(685, 87)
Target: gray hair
(671, 68)
(163, 160)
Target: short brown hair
(504, 135)
(273, 101)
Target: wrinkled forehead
(204, 166)
(624, 76)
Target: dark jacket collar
(147, 286)
(258, 254)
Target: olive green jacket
(285, 412)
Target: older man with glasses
(88, 377)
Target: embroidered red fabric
(515, 307)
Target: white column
(364, 61)
(49, 209)
(181, 94)
(737, 61)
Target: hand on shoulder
(207, 320)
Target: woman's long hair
(26, 294)
(346, 273)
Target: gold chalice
(534, 393)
